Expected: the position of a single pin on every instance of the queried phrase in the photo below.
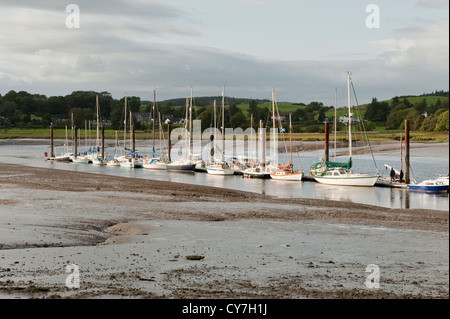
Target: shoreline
(130, 238)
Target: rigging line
(280, 126)
(365, 132)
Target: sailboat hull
(80, 160)
(287, 176)
(219, 170)
(184, 168)
(160, 166)
(349, 180)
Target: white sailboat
(345, 176)
(286, 172)
(131, 159)
(259, 170)
(155, 162)
(96, 156)
(220, 168)
(185, 165)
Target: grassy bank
(341, 136)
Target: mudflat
(137, 238)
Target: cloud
(432, 4)
(427, 45)
(118, 50)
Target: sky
(303, 49)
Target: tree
(421, 106)
(377, 111)
(321, 117)
(442, 123)
(239, 120)
(7, 108)
(80, 115)
(299, 115)
(46, 120)
(205, 117)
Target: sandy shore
(130, 238)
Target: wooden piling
(407, 164)
(52, 153)
(169, 145)
(75, 141)
(134, 141)
(327, 142)
(103, 142)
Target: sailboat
(96, 156)
(156, 162)
(220, 168)
(112, 160)
(185, 164)
(335, 173)
(131, 159)
(259, 170)
(286, 172)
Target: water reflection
(32, 155)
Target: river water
(426, 162)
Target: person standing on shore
(392, 175)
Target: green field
(342, 135)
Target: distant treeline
(427, 112)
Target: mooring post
(327, 141)
(407, 176)
(103, 142)
(169, 145)
(52, 154)
(134, 141)
(75, 143)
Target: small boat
(62, 158)
(344, 177)
(181, 166)
(341, 173)
(219, 169)
(131, 162)
(443, 179)
(200, 165)
(256, 172)
(80, 159)
(98, 161)
(430, 186)
(112, 162)
(154, 163)
(287, 174)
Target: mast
(251, 137)
(73, 140)
(186, 125)
(214, 145)
(97, 143)
(154, 102)
(125, 124)
(85, 134)
(349, 119)
(223, 123)
(290, 139)
(335, 122)
(275, 153)
(131, 135)
(401, 151)
(190, 125)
